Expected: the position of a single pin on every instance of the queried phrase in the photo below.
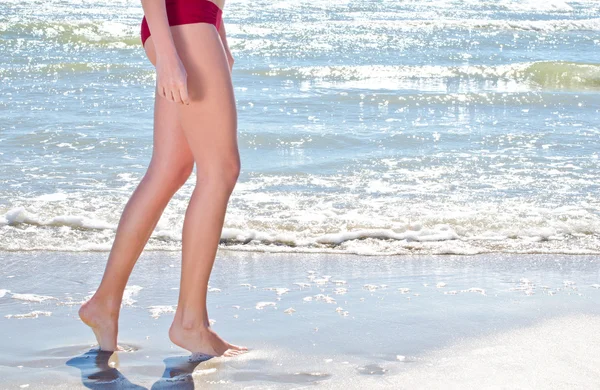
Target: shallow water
(371, 127)
(486, 321)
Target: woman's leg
(209, 123)
(171, 165)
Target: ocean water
(371, 127)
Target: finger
(173, 95)
(176, 97)
(177, 94)
(163, 92)
(185, 99)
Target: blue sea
(369, 127)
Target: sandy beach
(332, 321)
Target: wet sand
(331, 321)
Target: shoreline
(241, 248)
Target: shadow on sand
(98, 371)
(178, 373)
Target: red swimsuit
(187, 12)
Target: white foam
(475, 290)
(324, 298)
(157, 311)
(3, 292)
(33, 314)
(262, 305)
(467, 235)
(130, 291)
(278, 290)
(32, 297)
(425, 235)
(536, 5)
(20, 215)
(321, 281)
(69, 301)
(302, 284)
(55, 197)
(512, 226)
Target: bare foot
(104, 323)
(203, 340)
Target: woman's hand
(171, 79)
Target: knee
(183, 174)
(171, 177)
(224, 174)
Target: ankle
(191, 323)
(106, 304)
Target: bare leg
(209, 123)
(171, 165)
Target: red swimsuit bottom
(187, 12)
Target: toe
(238, 347)
(233, 352)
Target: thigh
(171, 149)
(209, 122)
